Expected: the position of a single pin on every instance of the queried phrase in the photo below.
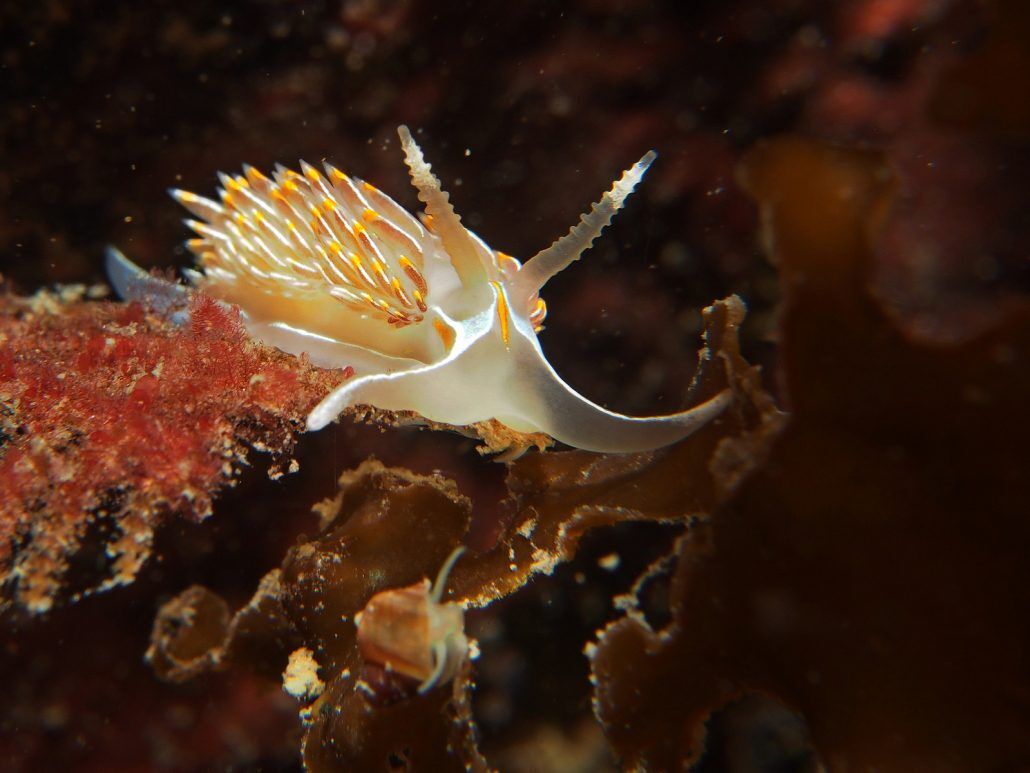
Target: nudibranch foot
(433, 321)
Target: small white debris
(609, 562)
(300, 679)
(527, 528)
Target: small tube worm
(411, 631)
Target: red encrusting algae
(110, 412)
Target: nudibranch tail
(132, 283)
(548, 262)
(576, 421)
(446, 222)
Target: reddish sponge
(110, 413)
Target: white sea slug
(430, 318)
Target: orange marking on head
(502, 312)
(508, 264)
(538, 316)
(445, 333)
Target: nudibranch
(431, 319)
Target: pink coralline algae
(112, 417)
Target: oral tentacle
(397, 391)
(545, 264)
(571, 418)
(427, 390)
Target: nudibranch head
(431, 319)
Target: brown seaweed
(871, 573)
(390, 528)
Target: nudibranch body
(430, 318)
